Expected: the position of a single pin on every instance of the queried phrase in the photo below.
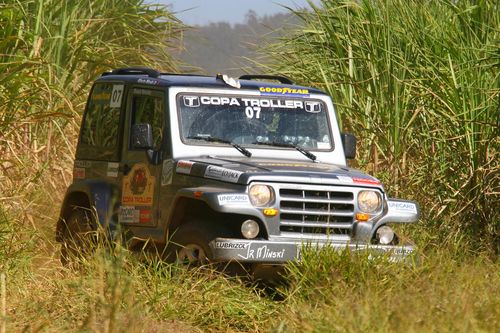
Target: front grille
(308, 211)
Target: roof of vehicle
(152, 77)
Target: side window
(148, 108)
(101, 123)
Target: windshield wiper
(239, 148)
(307, 153)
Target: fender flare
(208, 196)
(99, 196)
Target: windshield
(254, 121)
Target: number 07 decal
(251, 111)
(116, 96)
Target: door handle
(125, 169)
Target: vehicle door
(141, 168)
(100, 146)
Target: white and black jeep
(247, 170)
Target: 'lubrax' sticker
(219, 173)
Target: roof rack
(134, 71)
(279, 78)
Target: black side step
(279, 78)
(134, 71)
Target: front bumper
(276, 252)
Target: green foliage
(115, 291)
(52, 50)
(419, 84)
(345, 292)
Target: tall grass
(50, 52)
(419, 83)
(116, 291)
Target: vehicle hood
(246, 170)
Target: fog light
(385, 235)
(249, 229)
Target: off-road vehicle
(244, 170)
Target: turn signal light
(270, 211)
(362, 217)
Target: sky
(201, 12)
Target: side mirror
(142, 136)
(349, 143)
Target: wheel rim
(191, 254)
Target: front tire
(189, 246)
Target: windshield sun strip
(188, 141)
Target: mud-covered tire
(189, 246)
(78, 237)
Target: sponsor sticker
(144, 215)
(191, 101)
(366, 181)
(262, 253)
(116, 96)
(128, 214)
(147, 81)
(194, 101)
(219, 173)
(101, 97)
(83, 164)
(232, 199)
(229, 245)
(313, 106)
(345, 179)
(184, 167)
(138, 186)
(284, 91)
(143, 91)
(166, 172)
(112, 169)
(407, 207)
(402, 251)
(323, 145)
(79, 173)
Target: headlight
(261, 195)
(369, 201)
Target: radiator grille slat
(309, 211)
